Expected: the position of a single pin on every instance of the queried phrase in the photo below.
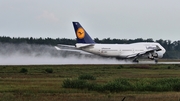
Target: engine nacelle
(159, 54)
(155, 55)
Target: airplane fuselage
(122, 50)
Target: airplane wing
(157, 48)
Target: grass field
(45, 82)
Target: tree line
(172, 48)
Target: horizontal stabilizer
(62, 46)
(57, 48)
(84, 45)
(71, 50)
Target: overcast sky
(121, 19)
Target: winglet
(81, 34)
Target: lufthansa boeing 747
(150, 50)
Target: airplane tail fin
(81, 34)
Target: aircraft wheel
(156, 61)
(136, 60)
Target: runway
(152, 62)
(27, 54)
(30, 60)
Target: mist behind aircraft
(32, 54)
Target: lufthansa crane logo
(80, 33)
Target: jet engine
(155, 55)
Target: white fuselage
(121, 50)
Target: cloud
(46, 15)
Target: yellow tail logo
(80, 33)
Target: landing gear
(156, 61)
(136, 60)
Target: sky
(120, 19)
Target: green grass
(95, 82)
(124, 84)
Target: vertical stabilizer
(81, 34)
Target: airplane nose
(161, 53)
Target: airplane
(134, 51)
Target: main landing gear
(136, 60)
(156, 61)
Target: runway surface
(152, 62)
(28, 54)
(18, 60)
